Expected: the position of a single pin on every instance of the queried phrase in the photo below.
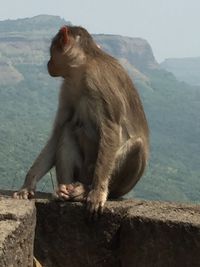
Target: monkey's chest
(86, 132)
(84, 120)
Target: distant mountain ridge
(185, 69)
(39, 22)
(27, 41)
(136, 50)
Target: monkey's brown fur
(99, 143)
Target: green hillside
(28, 103)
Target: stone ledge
(161, 234)
(17, 227)
(130, 233)
(165, 211)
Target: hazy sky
(170, 26)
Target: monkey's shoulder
(107, 73)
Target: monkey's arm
(45, 161)
(40, 167)
(109, 144)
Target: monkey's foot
(24, 193)
(72, 192)
(95, 202)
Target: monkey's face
(65, 52)
(55, 66)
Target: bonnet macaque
(99, 142)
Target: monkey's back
(117, 90)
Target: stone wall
(17, 228)
(129, 233)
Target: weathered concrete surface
(130, 233)
(156, 234)
(64, 237)
(17, 225)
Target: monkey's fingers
(94, 211)
(79, 192)
(95, 204)
(60, 196)
(89, 209)
(64, 196)
(24, 194)
(62, 192)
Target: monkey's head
(70, 48)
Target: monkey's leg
(68, 165)
(130, 165)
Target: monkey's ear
(63, 36)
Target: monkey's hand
(95, 201)
(24, 193)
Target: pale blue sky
(171, 26)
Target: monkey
(99, 143)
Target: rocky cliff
(136, 51)
(26, 41)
